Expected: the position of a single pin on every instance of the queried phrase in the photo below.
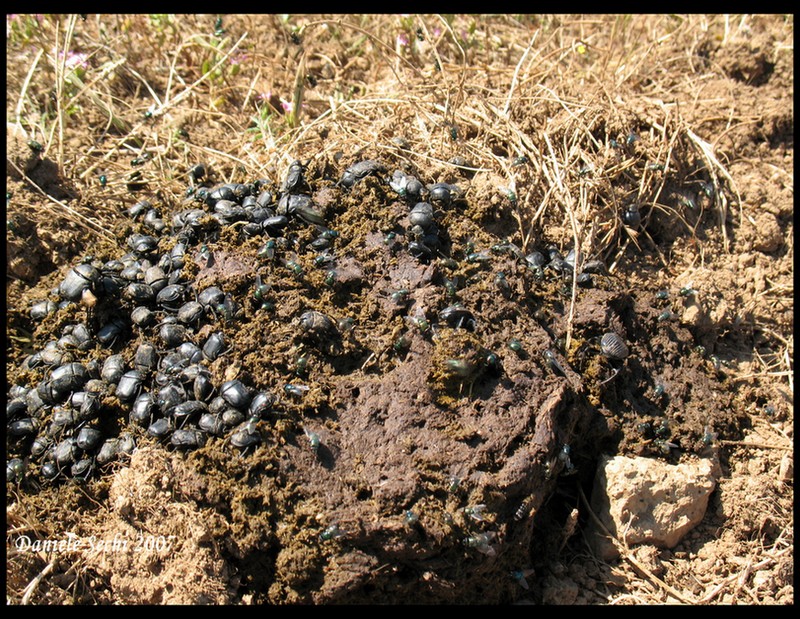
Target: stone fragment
(642, 500)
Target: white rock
(644, 500)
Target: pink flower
(402, 39)
(73, 60)
(275, 101)
(76, 60)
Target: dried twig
(30, 589)
(713, 166)
(719, 588)
(71, 213)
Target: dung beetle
(171, 297)
(211, 296)
(317, 324)
(50, 471)
(235, 393)
(35, 402)
(215, 346)
(76, 337)
(169, 396)
(40, 445)
(107, 334)
(144, 409)
(211, 424)
(16, 407)
(223, 192)
(262, 402)
(82, 469)
(632, 217)
(191, 352)
(190, 312)
(43, 308)
(172, 334)
(156, 278)
(264, 199)
(143, 316)
(300, 205)
(109, 450)
(188, 438)
(406, 186)
(359, 171)
(613, 346)
(142, 244)
(421, 215)
(187, 410)
(197, 172)
(68, 377)
(79, 279)
(139, 293)
(66, 451)
(457, 316)
(246, 435)
(230, 416)
(443, 193)
(22, 427)
(129, 386)
(146, 358)
(536, 259)
(294, 177)
(273, 226)
(202, 387)
(15, 470)
(88, 438)
(160, 428)
(228, 212)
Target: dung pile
(402, 379)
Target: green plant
(23, 28)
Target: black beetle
(294, 177)
(160, 428)
(215, 346)
(68, 377)
(79, 279)
(421, 215)
(212, 424)
(172, 334)
(613, 346)
(171, 297)
(129, 386)
(143, 409)
(188, 438)
(88, 438)
(457, 316)
(235, 393)
(246, 435)
(360, 170)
